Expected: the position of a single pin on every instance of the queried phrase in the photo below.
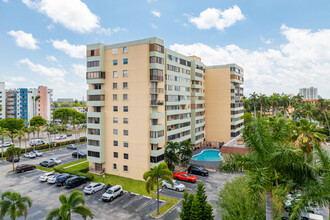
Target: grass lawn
(62, 166)
(78, 166)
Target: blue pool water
(208, 155)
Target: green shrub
(76, 172)
(85, 170)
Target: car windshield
(89, 187)
(176, 183)
(37, 151)
(187, 175)
(109, 191)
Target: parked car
(75, 181)
(61, 137)
(198, 170)
(16, 159)
(184, 177)
(79, 154)
(93, 188)
(72, 146)
(176, 186)
(44, 177)
(37, 153)
(36, 142)
(53, 132)
(56, 160)
(7, 144)
(30, 155)
(24, 167)
(112, 193)
(68, 134)
(60, 181)
(51, 179)
(47, 163)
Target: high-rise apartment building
(142, 95)
(2, 100)
(26, 103)
(309, 93)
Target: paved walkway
(75, 164)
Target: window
(125, 85)
(126, 156)
(115, 143)
(125, 49)
(114, 51)
(125, 108)
(125, 96)
(115, 120)
(114, 97)
(97, 86)
(115, 166)
(115, 108)
(126, 132)
(125, 167)
(95, 52)
(115, 131)
(125, 144)
(125, 120)
(125, 73)
(114, 85)
(94, 154)
(114, 74)
(115, 62)
(93, 63)
(115, 154)
(125, 61)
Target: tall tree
(3, 133)
(274, 100)
(155, 177)
(254, 101)
(12, 125)
(195, 211)
(285, 103)
(75, 203)
(76, 120)
(11, 152)
(262, 100)
(171, 154)
(49, 128)
(38, 121)
(185, 152)
(186, 205)
(14, 205)
(20, 135)
(324, 106)
(308, 111)
(64, 115)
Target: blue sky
(282, 45)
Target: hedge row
(82, 172)
(46, 146)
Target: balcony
(156, 115)
(156, 90)
(156, 102)
(157, 127)
(156, 78)
(157, 140)
(95, 103)
(156, 153)
(95, 92)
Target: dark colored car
(198, 170)
(47, 163)
(60, 181)
(53, 132)
(24, 167)
(16, 159)
(75, 181)
(68, 134)
(79, 154)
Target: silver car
(176, 186)
(93, 188)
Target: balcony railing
(156, 102)
(156, 78)
(156, 90)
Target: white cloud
(54, 75)
(154, 26)
(265, 41)
(5, 1)
(73, 14)
(301, 62)
(24, 40)
(75, 51)
(151, 1)
(212, 17)
(16, 78)
(155, 13)
(79, 70)
(51, 58)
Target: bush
(76, 172)
(85, 170)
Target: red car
(185, 177)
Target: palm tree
(20, 134)
(75, 203)
(285, 103)
(254, 100)
(185, 152)
(49, 128)
(268, 158)
(28, 131)
(262, 100)
(171, 156)
(308, 111)
(274, 100)
(3, 133)
(38, 129)
(11, 152)
(12, 135)
(15, 205)
(324, 107)
(155, 177)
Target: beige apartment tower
(142, 95)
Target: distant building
(65, 100)
(2, 100)
(309, 93)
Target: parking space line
(131, 201)
(149, 201)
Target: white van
(36, 142)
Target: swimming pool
(208, 155)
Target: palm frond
(52, 214)
(83, 211)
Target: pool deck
(208, 164)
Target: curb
(169, 210)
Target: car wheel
(121, 193)
(165, 186)
(189, 181)
(23, 171)
(176, 178)
(111, 199)
(93, 192)
(177, 189)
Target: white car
(93, 188)
(112, 193)
(52, 178)
(177, 186)
(56, 160)
(37, 153)
(30, 155)
(44, 177)
(7, 144)
(61, 137)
